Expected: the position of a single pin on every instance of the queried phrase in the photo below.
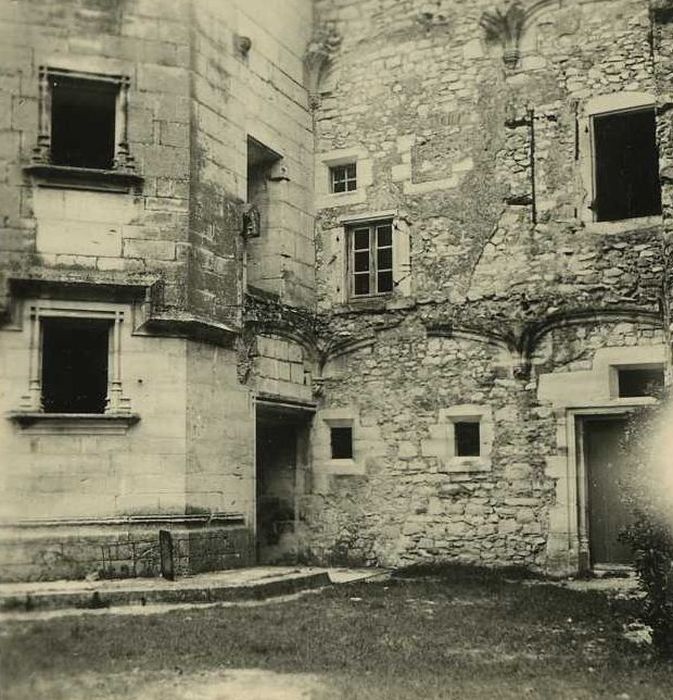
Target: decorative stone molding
(39, 423)
(505, 25)
(318, 58)
(246, 350)
(521, 338)
(251, 222)
(117, 403)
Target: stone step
(232, 585)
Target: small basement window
(626, 165)
(341, 440)
(83, 116)
(640, 382)
(467, 439)
(343, 178)
(75, 365)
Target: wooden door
(605, 472)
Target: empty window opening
(640, 382)
(74, 365)
(626, 166)
(83, 115)
(260, 162)
(371, 259)
(467, 439)
(343, 178)
(341, 439)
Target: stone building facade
(344, 281)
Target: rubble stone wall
(488, 161)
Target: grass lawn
(454, 634)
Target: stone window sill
(74, 423)
(466, 464)
(85, 178)
(624, 225)
(330, 200)
(345, 467)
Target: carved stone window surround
(122, 174)
(117, 405)
(324, 197)
(597, 106)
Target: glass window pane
(384, 259)
(361, 284)
(339, 186)
(350, 170)
(385, 282)
(361, 239)
(385, 235)
(351, 185)
(361, 262)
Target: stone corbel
(242, 45)
(318, 58)
(505, 25)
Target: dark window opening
(467, 439)
(640, 382)
(342, 442)
(74, 365)
(343, 178)
(260, 163)
(83, 122)
(626, 166)
(371, 259)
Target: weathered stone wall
(55, 473)
(171, 241)
(258, 94)
(99, 235)
(220, 467)
(489, 165)
(402, 499)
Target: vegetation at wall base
(650, 533)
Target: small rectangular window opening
(260, 163)
(341, 439)
(343, 178)
(372, 259)
(626, 166)
(83, 113)
(640, 382)
(74, 365)
(467, 439)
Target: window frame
(601, 105)
(593, 119)
(347, 180)
(122, 161)
(117, 404)
(373, 271)
(49, 331)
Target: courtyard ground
(451, 633)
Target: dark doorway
(607, 514)
(282, 472)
